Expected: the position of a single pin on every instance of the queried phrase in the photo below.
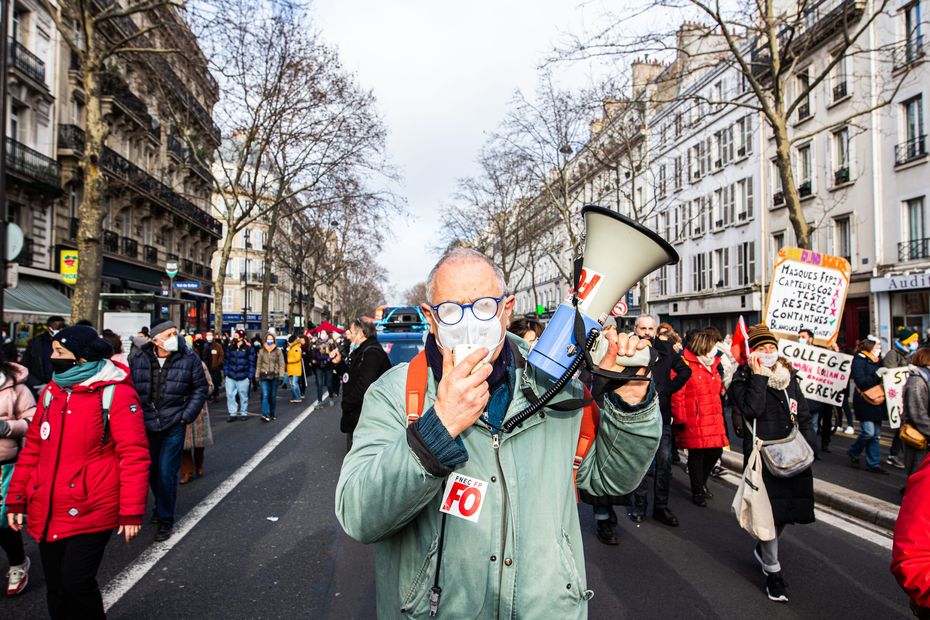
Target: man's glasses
(484, 309)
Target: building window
(803, 84)
(699, 272)
(698, 210)
(778, 242)
(805, 171)
(662, 181)
(915, 144)
(718, 96)
(842, 238)
(678, 172)
(745, 197)
(916, 219)
(914, 43)
(744, 134)
(227, 300)
(662, 281)
(716, 209)
(838, 79)
(841, 156)
(722, 267)
(746, 263)
(678, 125)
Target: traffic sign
(620, 309)
(171, 268)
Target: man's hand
(624, 345)
(462, 396)
(15, 521)
(335, 356)
(129, 530)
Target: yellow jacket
(295, 365)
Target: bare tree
(363, 290)
(416, 295)
(767, 43)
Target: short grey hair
(462, 255)
(649, 315)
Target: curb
(865, 507)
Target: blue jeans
(269, 396)
(165, 448)
(240, 387)
(324, 379)
(868, 441)
(294, 380)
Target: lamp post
(245, 283)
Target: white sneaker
(17, 578)
(849, 430)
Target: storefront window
(911, 310)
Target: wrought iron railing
(914, 249)
(839, 91)
(841, 176)
(187, 265)
(110, 241)
(198, 270)
(174, 146)
(130, 247)
(805, 189)
(31, 163)
(914, 148)
(778, 198)
(112, 86)
(909, 51)
(27, 62)
(150, 254)
(26, 256)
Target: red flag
(740, 346)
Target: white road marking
(132, 574)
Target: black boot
(663, 515)
(605, 532)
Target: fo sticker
(463, 497)
(45, 430)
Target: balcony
(112, 86)
(914, 249)
(913, 149)
(840, 91)
(26, 256)
(198, 270)
(130, 247)
(908, 52)
(187, 265)
(150, 254)
(805, 189)
(110, 241)
(174, 147)
(804, 111)
(72, 137)
(778, 198)
(33, 165)
(27, 62)
(841, 176)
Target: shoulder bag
(790, 456)
(875, 395)
(909, 433)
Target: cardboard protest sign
(823, 374)
(808, 291)
(893, 381)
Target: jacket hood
(19, 375)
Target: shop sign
(823, 374)
(808, 291)
(69, 266)
(900, 283)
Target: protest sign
(893, 381)
(823, 374)
(808, 291)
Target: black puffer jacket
(363, 367)
(170, 394)
(669, 360)
(865, 376)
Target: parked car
(402, 346)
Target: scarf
(707, 360)
(870, 356)
(77, 374)
(779, 376)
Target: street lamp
(245, 283)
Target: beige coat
(269, 362)
(17, 406)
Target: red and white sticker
(463, 497)
(793, 406)
(45, 430)
(588, 284)
(345, 377)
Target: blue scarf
(77, 374)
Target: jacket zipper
(51, 490)
(496, 444)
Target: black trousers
(217, 377)
(701, 462)
(70, 568)
(12, 544)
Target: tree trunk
(802, 231)
(267, 260)
(644, 295)
(219, 284)
(86, 299)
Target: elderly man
(508, 542)
(173, 388)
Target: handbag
(751, 505)
(268, 376)
(912, 437)
(875, 395)
(790, 456)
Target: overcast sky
(443, 73)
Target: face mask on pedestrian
(803, 340)
(269, 341)
(209, 337)
(170, 344)
(912, 347)
(768, 359)
(61, 364)
(472, 331)
(877, 350)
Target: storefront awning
(36, 298)
(196, 295)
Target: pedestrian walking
(170, 381)
(526, 542)
(197, 436)
(214, 357)
(910, 553)
(366, 363)
(17, 408)
(917, 408)
(37, 358)
(295, 368)
(697, 411)
(117, 344)
(239, 369)
(269, 371)
(82, 472)
(322, 373)
(868, 404)
(767, 393)
(905, 344)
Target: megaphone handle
(643, 357)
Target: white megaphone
(618, 253)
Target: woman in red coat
(697, 412)
(82, 472)
(910, 555)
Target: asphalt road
(236, 563)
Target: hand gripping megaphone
(618, 252)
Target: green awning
(35, 297)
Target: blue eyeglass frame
(470, 306)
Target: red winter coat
(910, 555)
(72, 482)
(698, 406)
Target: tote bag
(751, 504)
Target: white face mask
(768, 359)
(803, 340)
(171, 344)
(209, 338)
(877, 350)
(473, 331)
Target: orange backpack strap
(417, 378)
(590, 420)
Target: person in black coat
(866, 374)
(365, 364)
(172, 387)
(767, 393)
(37, 358)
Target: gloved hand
(5, 428)
(881, 372)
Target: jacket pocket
(420, 584)
(570, 569)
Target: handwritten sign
(823, 374)
(808, 291)
(893, 381)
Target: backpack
(416, 393)
(106, 401)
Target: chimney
(644, 72)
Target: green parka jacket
(524, 556)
